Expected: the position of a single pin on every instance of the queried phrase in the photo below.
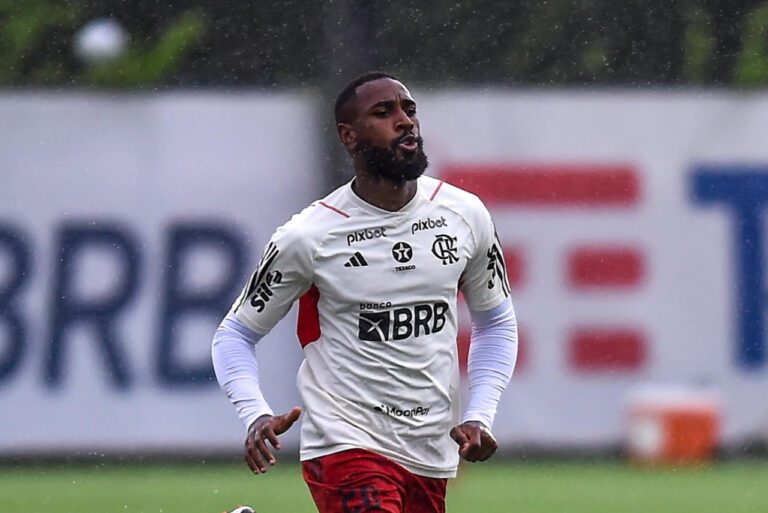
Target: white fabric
(492, 357)
(383, 374)
(237, 370)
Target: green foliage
(36, 47)
(29, 32)
(144, 66)
(698, 44)
(752, 65)
(432, 42)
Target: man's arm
(283, 275)
(237, 371)
(492, 357)
(234, 360)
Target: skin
(382, 111)
(258, 454)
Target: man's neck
(383, 193)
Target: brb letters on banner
(67, 307)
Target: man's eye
(411, 112)
(380, 113)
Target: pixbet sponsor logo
(428, 224)
(394, 411)
(402, 323)
(366, 234)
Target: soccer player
(376, 267)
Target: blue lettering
(67, 309)
(180, 300)
(744, 190)
(12, 243)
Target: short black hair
(348, 93)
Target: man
(376, 266)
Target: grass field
(515, 487)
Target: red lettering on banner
(605, 267)
(588, 267)
(550, 186)
(607, 349)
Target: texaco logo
(402, 252)
(444, 248)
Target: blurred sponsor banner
(127, 227)
(633, 227)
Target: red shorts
(359, 481)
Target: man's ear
(347, 136)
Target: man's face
(385, 130)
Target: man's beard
(385, 162)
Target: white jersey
(377, 317)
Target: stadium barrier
(632, 226)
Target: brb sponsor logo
(402, 323)
(394, 411)
(366, 234)
(428, 224)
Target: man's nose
(404, 122)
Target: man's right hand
(267, 427)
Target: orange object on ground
(673, 428)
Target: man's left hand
(476, 443)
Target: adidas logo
(357, 260)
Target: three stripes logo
(357, 260)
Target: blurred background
(149, 149)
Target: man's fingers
(252, 457)
(475, 442)
(474, 446)
(266, 428)
(264, 452)
(270, 435)
(459, 436)
(462, 437)
(255, 467)
(489, 446)
(284, 422)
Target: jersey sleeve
(484, 281)
(283, 275)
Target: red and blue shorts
(360, 481)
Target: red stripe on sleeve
(308, 327)
(437, 189)
(331, 207)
